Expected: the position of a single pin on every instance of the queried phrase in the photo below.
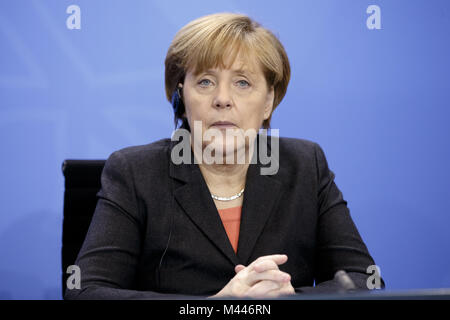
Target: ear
(269, 103)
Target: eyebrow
(239, 71)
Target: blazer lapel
(195, 199)
(261, 197)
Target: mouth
(223, 124)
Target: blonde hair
(205, 43)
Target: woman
(206, 219)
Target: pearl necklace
(237, 195)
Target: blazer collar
(261, 197)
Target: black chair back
(82, 182)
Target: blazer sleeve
(109, 256)
(339, 244)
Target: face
(231, 100)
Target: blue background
(377, 101)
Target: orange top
(231, 219)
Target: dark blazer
(157, 231)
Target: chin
(230, 151)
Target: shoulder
(149, 155)
(146, 150)
(297, 146)
(298, 150)
(299, 158)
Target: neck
(224, 179)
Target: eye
(243, 84)
(205, 82)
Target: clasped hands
(260, 279)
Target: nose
(223, 98)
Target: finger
(239, 268)
(264, 265)
(262, 288)
(277, 258)
(272, 275)
(285, 290)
